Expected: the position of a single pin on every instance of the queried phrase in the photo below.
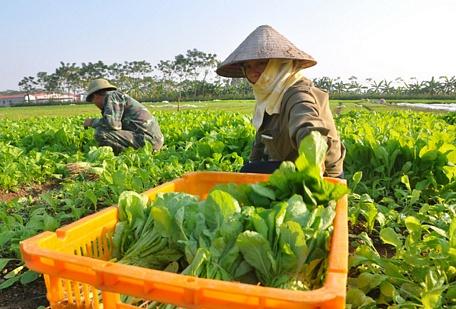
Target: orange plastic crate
(74, 261)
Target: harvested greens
(274, 233)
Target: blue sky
(366, 38)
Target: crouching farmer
(125, 122)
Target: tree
(89, 71)
(69, 77)
(448, 84)
(325, 83)
(432, 86)
(28, 84)
(200, 65)
(339, 86)
(414, 87)
(375, 87)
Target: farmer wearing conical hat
(124, 123)
(288, 105)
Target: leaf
(260, 224)
(9, 282)
(452, 233)
(389, 236)
(230, 259)
(243, 269)
(50, 223)
(432, 299)
(413, 224)
(118, 238)
(312, 151)
(369, 211)
(357, 178)
(172, 267)
(280, 178)
(257, 252)
(452, 254)
(363, 281)
(29, 276)
(163, 220)
(196, 266)
(231, 228)
(368, 281)
(131, 206)
(405, 180)
(415, 197)
(439, 231)
(387, 289)
(35, 223)
(263, 191)
(90, 195)
(291, 234)
(218, 207)
(296, 209)
(3, 263)
(451, 293)
(238, 191)
(5, 237)
(410, 288)
(281, 209)
(357, 298)
(14, 272)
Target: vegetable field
(400, 167)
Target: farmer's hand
(88, 122)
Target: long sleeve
(304, 117)
(308, 113)
(113, 110)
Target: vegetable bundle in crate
(271, 234)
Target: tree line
(191, 76)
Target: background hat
(98, 84)
(263, 43)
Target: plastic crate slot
(55, 290)
(138, 303)
(75, 288)
(46, 281)
(128, 306)
(88, 247)
(73, 293)
(96, 248)
(96, 294)
(107, 246)
(86, 294)
(68, 292)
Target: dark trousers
(118, 140)
(266, 167)
(260, 167)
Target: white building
(43, 97)
(38, 97)
(12, 99)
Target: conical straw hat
(263, 43)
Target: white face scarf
(269, 89)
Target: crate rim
(99, 270)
